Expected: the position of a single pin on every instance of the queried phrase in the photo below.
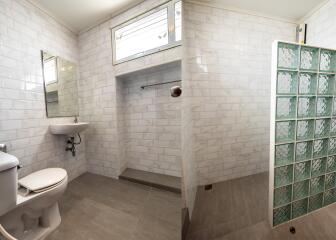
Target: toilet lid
(43, 179)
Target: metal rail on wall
(157, 84)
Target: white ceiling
(79, 15)
(291, 10)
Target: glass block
(284, 154)
(322, 127)
(302, 171)
(317, 185)
(332, 146)
(323, 106)
(326, 84)
(327, 61)
(281, 214)
(299, 208)
(330, 180)
(300, 190)
(286, 82)
(315, 202)
(320, 148)
(303, 151)
(307, 83)
(333, 127)
(305, 130)
(288, 56)
(306, 107)
(285, 131)
(309, 58)
(318, 167)
(283, 175)
(286, 107)
(331, 164)
(282, 195)
(329, 197)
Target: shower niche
(303, 131)
(149, 126)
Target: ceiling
(291, 10)
(79, 15)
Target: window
(151, 32)
(178, 20)
(50, 70)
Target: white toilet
(30, 212)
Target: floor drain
(292, 230)
(208, 187)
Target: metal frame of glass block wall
(303, 131)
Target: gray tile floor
(237, 210)
(99, 208)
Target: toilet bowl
(31, 211)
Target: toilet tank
(8, 182)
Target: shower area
(149, 123)
(259, 125)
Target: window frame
(170, 5)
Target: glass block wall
(303, 131)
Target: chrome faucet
(3, 147)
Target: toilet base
(25, 223)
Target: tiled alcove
(150, 120)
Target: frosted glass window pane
(49, 71)
(178, 21)
(145, 34)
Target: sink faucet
(76, 119)
(3, 148)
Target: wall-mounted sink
(68, 128)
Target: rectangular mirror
(60, 86)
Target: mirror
(60, 86)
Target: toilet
(29, 206)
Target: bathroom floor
(237, 210)
(99, 208)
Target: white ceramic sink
(68, 128)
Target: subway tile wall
(97, 101)
(189, 173)
(321, 26)
(98, 96)
(228, 66)
(24, 32)
(152, 120)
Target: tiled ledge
(165, 182)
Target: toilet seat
(43, 180)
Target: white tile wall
(189, 167)
(98, 97)
(152, 120)
(24, 32)
(228, 65)
(321, 30)
(121, 126)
